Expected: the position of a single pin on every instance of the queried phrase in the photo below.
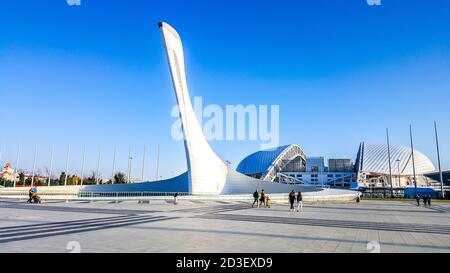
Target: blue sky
(341, 71)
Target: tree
(119, 178)
(90, 180)
(74, 180)
(21, 177)
(62, 178)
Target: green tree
(90, 180)
(62, 178)
(119, 178)
(74, 180)
(21, 177)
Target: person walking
(267, 201)
(175, 198)
(255, 199)
(262, 199)
(30, 195)
(425, 200)
(429, 201)
(418, 200)
(299, 201)
(292, 200)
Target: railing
(128, 195)
(383, 193)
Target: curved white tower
(207, 172)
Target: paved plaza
(222, 226)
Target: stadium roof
(373, 158)
(266, 161)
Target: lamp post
(398, 170)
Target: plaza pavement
(222, 226)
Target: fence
(128, 195)
(382, 193)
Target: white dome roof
(374, 158)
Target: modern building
(434, 180)
(340, 165)
(372, 166)
(267, 164)
(371, 169)
(289, 165)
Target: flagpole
(439, 161)
(82, 164)
(413, 162)
(51, 166)
(34, 165)
(114, 165)
(67, 165)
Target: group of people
(263, 199)
(426, 200)
(293, 197)
(33, 196)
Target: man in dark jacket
(256, 198)
(292, 199)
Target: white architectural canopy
(269, 162)
(373, 158)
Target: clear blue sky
(341, 71)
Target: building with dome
(289, 164)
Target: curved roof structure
(268, 162)
(374, 158)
